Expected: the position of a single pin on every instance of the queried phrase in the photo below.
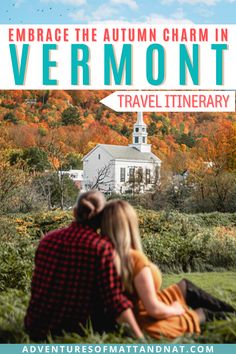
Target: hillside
(77, 121)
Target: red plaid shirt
(74, 279)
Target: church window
(148, 176)
(144, 129)
(157, 175)
(136, 140)
(122, 174)
(144, 140)
(140, 175)
(99, 156)
(137, 130)
(131, 174)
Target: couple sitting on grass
(105, 279)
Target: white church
(123, 169)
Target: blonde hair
(120, 223)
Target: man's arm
(127, 316)
(112, 294)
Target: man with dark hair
(75, 280)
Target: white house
(120, 169)
(76, 176)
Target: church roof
(127, 153)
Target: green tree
(64, 189)
(44, 96)
(72, 161)
(71, 116)
(42, 132)
(99, 113)
(36, 159)
(57, 189)
(10, 117)
(15, 157)
(125, 131)
(157, 118)
(187, 139)
(152, 129)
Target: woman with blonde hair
(75, 281)
(159, 312)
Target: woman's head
(120, 223)
(89, 207)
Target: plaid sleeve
(38, 314)
(110, 285)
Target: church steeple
(140, 119)
(140, 135)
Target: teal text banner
(118, 348)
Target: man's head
(89, 207)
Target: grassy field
(222, 284)
(13, 304)
(201, 247)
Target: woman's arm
(145, 288)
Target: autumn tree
(219, 147)
(11, 179)
(220, 189)
(29, 199)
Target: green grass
(223, 284)
(176, 242)
(220, 284)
